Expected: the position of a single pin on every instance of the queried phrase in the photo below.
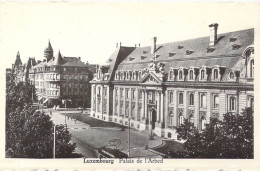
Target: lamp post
(54, 141)
(128, 137)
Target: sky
(90, 30)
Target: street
(89, 139)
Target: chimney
(139, 45)
(117, 45)
(213, 34)
(153, 46)
(79, 58)
(120, 44)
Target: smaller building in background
(61, 81)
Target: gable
(150, 78)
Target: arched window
(171, 97)
(231, 75)
(202, 123)
(215, 74)
(180, 75)
(191, 118)
(171, 118)
(202, 74)
(191, 99)
(232, 104)
(171, 75)
(216, 101)
(180, 98)
(191, 74)
(252, 68)
(181, 119)
(203, 100)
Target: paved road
(89, 139)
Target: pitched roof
(117, 57)
(18, 60)
(175, 54)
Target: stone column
(108, 112)
(166, 108)
(130, 103)
(242, 101)
(136, 103)
(124, 107)
(196, 109)
(222, 104)
(96, 98)
(158, 106)
(185, 113)
(114, 101)
(208, 113)
(175, 102)
(143, 104)
(101, 100)
(162, 108)
(119, 101)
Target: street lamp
(128, 136)
(54, 141)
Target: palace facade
(158, 86)
(60, 81)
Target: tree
(29, 133)
(230, 138)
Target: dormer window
(215, 73)
(232, 39)
(231, 75)
(180, 46)
(143, 57)
(189, 52)
(180, 75)
(203, 74)
(131, 58)
(191, 74)
(171, 75)
(210, 49)
(236, 46)
(171, 54)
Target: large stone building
(60, 80)
(158, 86)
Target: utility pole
(54, 141)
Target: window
(99, 91)
(202, 123)
(250, 102)
(127, 93)
(180, 75)
(133, 94)
(171, 97)
(215, 74)
(202, 74)
(181, 120)
(252, 68)
(216, 101)
(140, 95)
(64, 69)
(231, 75)
(121, 92)
(180, 98)
(116, 90)
(203, 100)
(171, 75)
(191, 99)
(232, 104)
(191, 75)
(171, 118)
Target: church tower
(48, 52)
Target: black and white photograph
(129, 80)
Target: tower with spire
(48, 52)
